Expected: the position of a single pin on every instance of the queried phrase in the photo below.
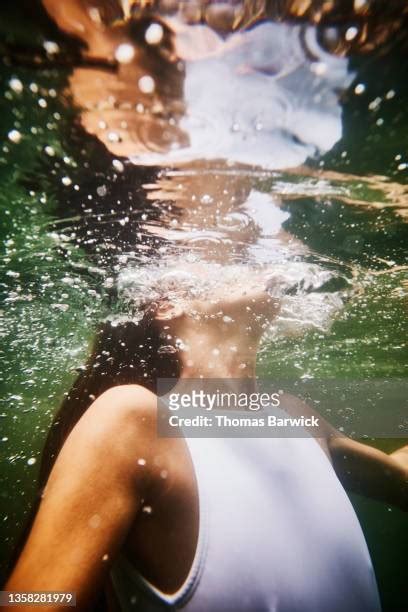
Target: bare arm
(360, 468)
(371, 472)
(91, 499)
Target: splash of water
(303, 289)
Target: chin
(248, 307)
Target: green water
(51, 300)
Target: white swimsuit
(277, 533)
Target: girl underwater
(201, 524)
(198, 523)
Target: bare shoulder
(123, 402)
(106, 443)
(131, 399)
(120, 422)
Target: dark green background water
(51, 301)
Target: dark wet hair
(124, 352)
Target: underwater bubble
(375, 104)
(119, 167)
(49, 151)
(15, 136)
(206, 199)
(147, 509)
(154, 34)
(359, 89)
(360, 4)
(174, 279)
(351, 33)
(124, 53)
(95, 15)
(113, 137)
(146, 84)
(31, 461)
(234, 221)
(66, 181)
(16, 85)
(101, 190)
(141, 461)
(61, 307)
(51, 47)
(167, 349)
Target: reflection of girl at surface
(215, 525)
(268, 95)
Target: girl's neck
(217, 350)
